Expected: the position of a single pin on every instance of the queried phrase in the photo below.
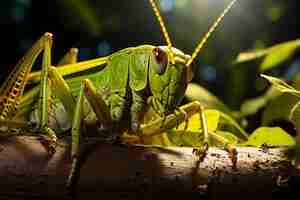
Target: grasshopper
(113, 97)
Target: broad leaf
(274, 55)
(206, 98)
(279, 108)
(251, 55)
(295, 118)
(193, 135)
(194, 139)
(251, 106)
(212, 120)
(278, 54)
(230, 137)
(186, 138)
(281, 85)
(241, 134)
(273, 136)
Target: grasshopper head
(168, 78)
(171, 69)
(179, 58)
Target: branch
(139, 172)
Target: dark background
(101, 27)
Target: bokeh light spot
(166, 5)
(20, 10)
(181, 3)
(19, 13)
(103, 48)
(208, 73)
(293, 70)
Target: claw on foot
(48, 144)
(233, 155)
(202, 152)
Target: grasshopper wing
(138, 71)
(118, 68)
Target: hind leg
(12, 89)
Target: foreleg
(171, 121)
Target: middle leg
(101, 110)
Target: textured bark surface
(140, 172)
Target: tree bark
(142, 172)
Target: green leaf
(279, 108)
(195, 92)
(186, 138)
(251, 106)
(294, 116)
(273, 136)
(196, 139)
(212, 120)
(242, 134)
(230, 137)
(295, 151)
(281, 85)
(251, 55)
(193, 135)
(278, 55)
(296, 81)
(274, 55)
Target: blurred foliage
(209, 100)
(277, 111)
(253, 105)
(281, 102)
(83, 11)
(286, 107)
(273, 56)
(272, 136)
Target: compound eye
(161, 58)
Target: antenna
(163, 28)
(208, 34)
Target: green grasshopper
(114, 97)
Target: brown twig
(139, 172)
